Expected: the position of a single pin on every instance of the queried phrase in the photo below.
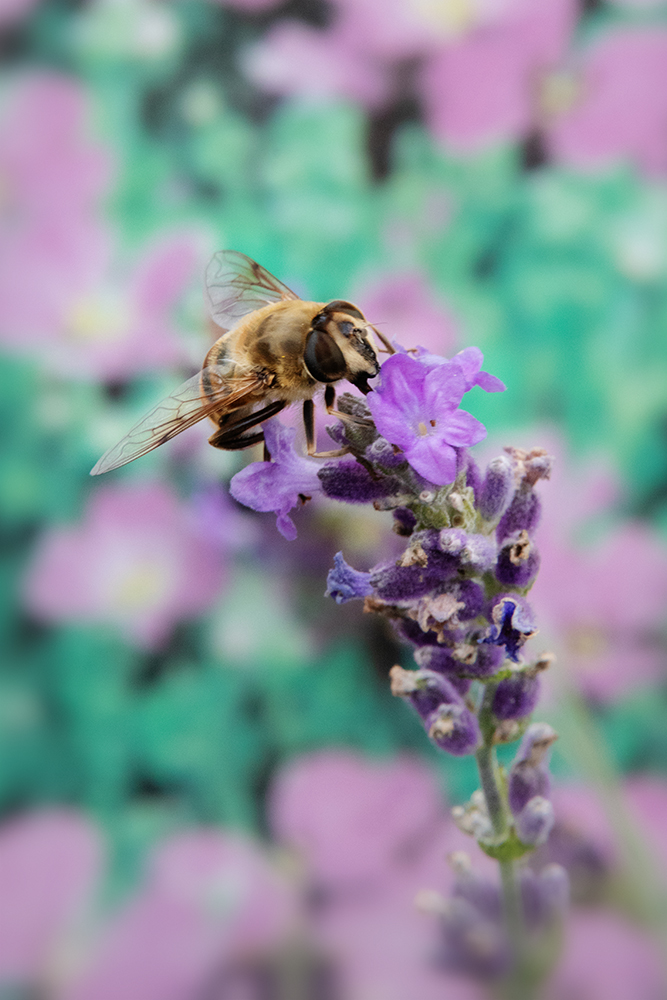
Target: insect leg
(229, 442)
(233, 429)
(309, 424)
(329, 397)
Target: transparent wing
(237, 285)
(183, 408)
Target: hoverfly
(276, 349)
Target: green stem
(489, 777)
(518, 985)
(487, 766)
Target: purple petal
(286, 527)
(463, 430)
(433, 459)
(277, 485)
(397, 400)
(489, 383)
(399, 426)
(470, 361)
(401, 377)
(255, 486)
(443, 390)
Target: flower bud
(383, 454)
(516, 696)
(479, 554)
(475, 553)
(481, 892)
(425, 689)
(473, 819)
(535, 821)
(422, 569)
(439, 659)
(530, 465)
(523, 514)
(448, 722)
(345, 583)
(337, 434)
(473, 475)
(455, 729)
(518, 561)
(497, 489)
(352, 483)
(472, 943)
(529, 773)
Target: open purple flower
(278, 485)
(417, 409)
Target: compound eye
(323, 357)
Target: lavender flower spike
(282, 483)
(457, 594)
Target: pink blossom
(600, 594)
(405, 309)
(357, 56)
(209, 896)
(60, 291)
(580, 808)
(114, 329)
(372, 834)
(607, 958)
(351, 59)
(387, 29)
(605, 604)
(351, 818)
(392, 30)
(619, 112)
(293, 58)
(52, 176)
(136, 561)
(482, 88)
(49, 863)
(600, 600)
(385, 948)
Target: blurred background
(207, 791)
